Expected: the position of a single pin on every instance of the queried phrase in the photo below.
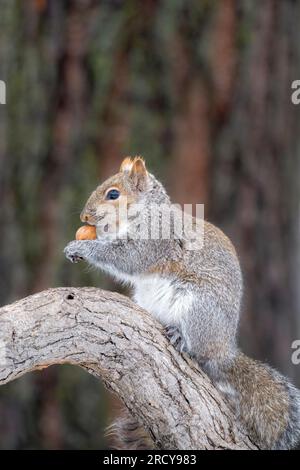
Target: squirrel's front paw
(72, 252)
(175, 337)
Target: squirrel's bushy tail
(125, 433)
(266, 403)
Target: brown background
(202, 89)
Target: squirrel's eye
(113, 194)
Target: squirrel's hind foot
(174, 335)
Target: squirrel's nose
(84, 217)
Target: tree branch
(115, 340)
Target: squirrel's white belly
(160, 297)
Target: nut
(86, 232)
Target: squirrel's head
(133, 184)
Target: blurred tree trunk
(202, 90)
(255, 177)
(43, 57)
(236, 149)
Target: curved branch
(115, 340)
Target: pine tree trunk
(202, 90)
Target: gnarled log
(115, 340)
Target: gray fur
(207, 329)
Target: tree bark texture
(112, 338)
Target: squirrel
(196, 294)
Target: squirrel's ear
(138, 167)
(139, 174)
(136, 170)
(126, 165)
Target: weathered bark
(115, 340)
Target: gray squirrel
(196, 294)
